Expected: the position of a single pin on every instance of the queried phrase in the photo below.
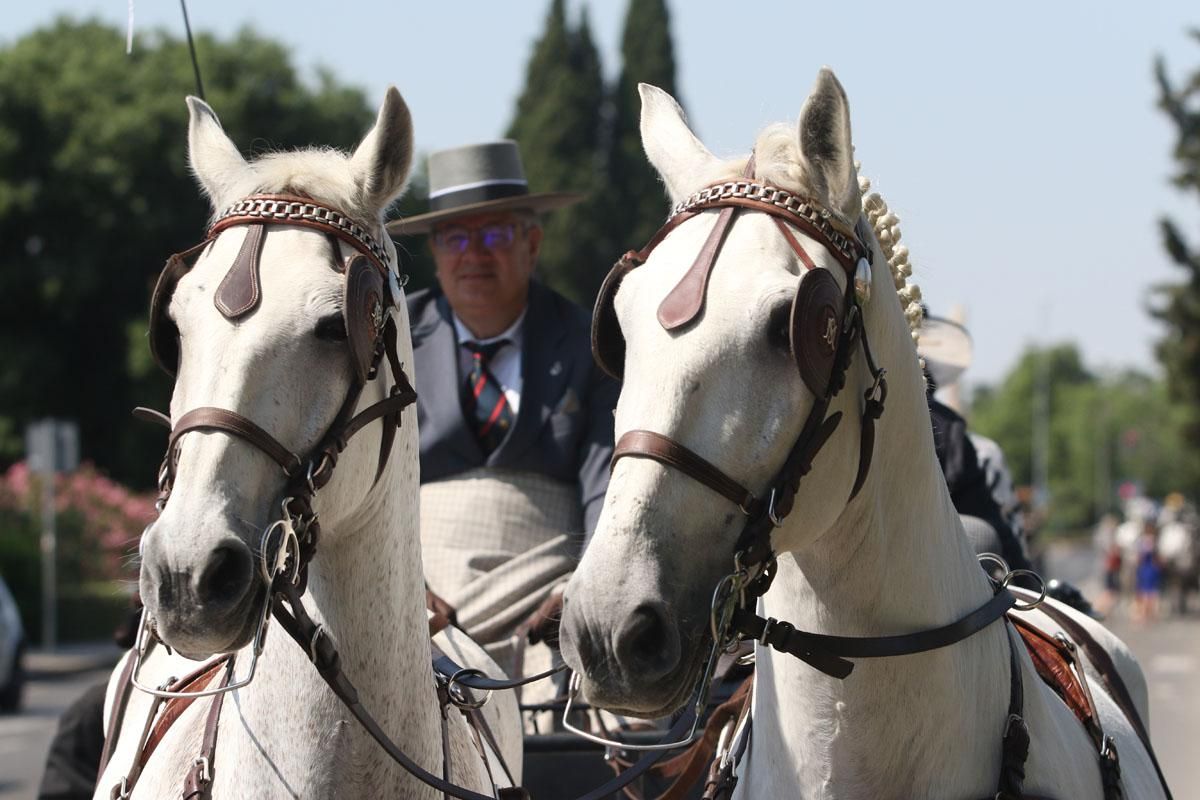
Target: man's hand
(542, 624)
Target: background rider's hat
(475, 179)
(946, 348)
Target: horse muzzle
(642, 663)
(202, 600)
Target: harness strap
(828, 653)
(1014, 748)
(690, 765)
(198, 783)
(312, 639)
(1113, 684)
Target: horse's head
(267, 317)
(734, 384)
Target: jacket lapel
(545, 372)
(435, 353)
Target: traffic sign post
(51, 446)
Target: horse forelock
(322, 173)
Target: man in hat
(974, 467)
(946, 348)
(516, 420)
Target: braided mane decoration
(886, 226)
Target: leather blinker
(364, 312)
(816, 327)
(608, 342)
(164, 336)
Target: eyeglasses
(497, 236)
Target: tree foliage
(95, 194)
(577, 134)
(1178, 305)
(1104, 431)
(559, 124)
(639, 205)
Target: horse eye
(331, 328)
(779, 327)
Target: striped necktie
(484, 404)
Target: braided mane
(886, 226)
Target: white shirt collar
(514, 333)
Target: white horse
(286, 367)
(892, 560)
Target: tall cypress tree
(638, 204)
(558, 125)
(1179, 311)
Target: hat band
(477, 193)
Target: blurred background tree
(1105, 430)
(559, 122)
(1178, 305)
(637, 199)
(95, 193)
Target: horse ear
(670, 145)
(826, 152)
(381, 162)
(213, 156)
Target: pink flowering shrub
(99, 520)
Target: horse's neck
(895, 563)
(368, 592)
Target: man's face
(484, 261)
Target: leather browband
(303, 212)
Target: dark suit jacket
(564, 427)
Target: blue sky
(1018, 142)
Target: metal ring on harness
(1041, 598)
(992, 558)
(459, 695)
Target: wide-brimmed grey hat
(478, 178)
(946, 347)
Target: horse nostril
(647, 644)
(226, 577)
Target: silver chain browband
(798, 206)
(270, 208)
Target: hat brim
(946, 347)
(537, 203)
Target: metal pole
(49, 546)
(1041, 429)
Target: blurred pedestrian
(1149, 573)
(1105, 541)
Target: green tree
(559, 123)
(1104, 430)
(1178, 305)
(95, 193)
(637, 200)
